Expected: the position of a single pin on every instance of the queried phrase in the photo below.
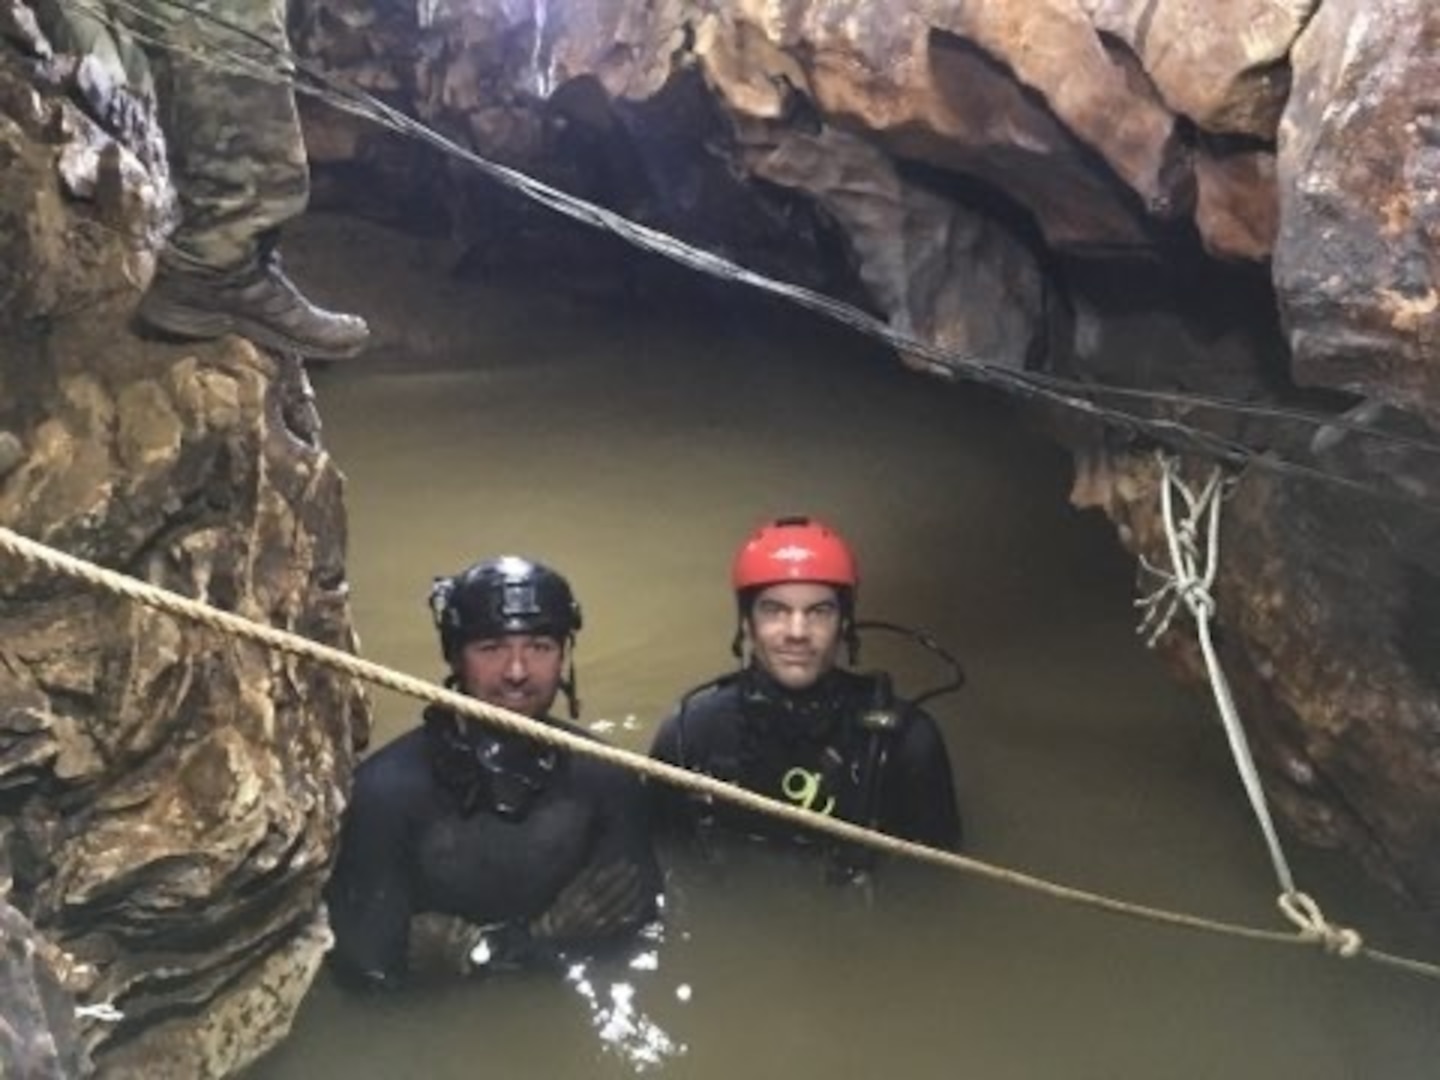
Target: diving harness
(859, 730)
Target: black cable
(957, 673)
(945, 363)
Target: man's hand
(604, 900)
(444, 943)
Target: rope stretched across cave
(946, 363)
(1312, 930)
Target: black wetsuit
(810, 749)
(455, 819)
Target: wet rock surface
(169, 795)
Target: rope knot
(1197, 597)
(1187, 534)
(1305, 913)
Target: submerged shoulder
(698, 716)
(718, 699)
(692, 727)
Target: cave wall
(169, 795)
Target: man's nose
(797, 624)
(515, 668)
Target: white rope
(1305, 913)
(1188, 582)
(1312, 932)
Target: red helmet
(794, 549)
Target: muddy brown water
(632, 446)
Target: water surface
(632, 447)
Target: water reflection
(617, 1015)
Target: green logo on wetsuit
(804, 788)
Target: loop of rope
(183, 607)
(1305, 913)
(1189, 581)
(1191, 573)
(1198, 599)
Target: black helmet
(507, 595)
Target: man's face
(794, 632)
(519, 672)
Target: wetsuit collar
(811, 713)
(485, 769)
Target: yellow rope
(186, 608)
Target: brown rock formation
(1224, 66)
(1356, 263)
(168, 795)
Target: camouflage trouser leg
(73, 29)
(237, 156)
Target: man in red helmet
(792, 724)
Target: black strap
(486, 770)
(881, 719)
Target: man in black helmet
(528, 848)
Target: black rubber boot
(257, 302)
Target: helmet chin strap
(572, 703)
(570, 687)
